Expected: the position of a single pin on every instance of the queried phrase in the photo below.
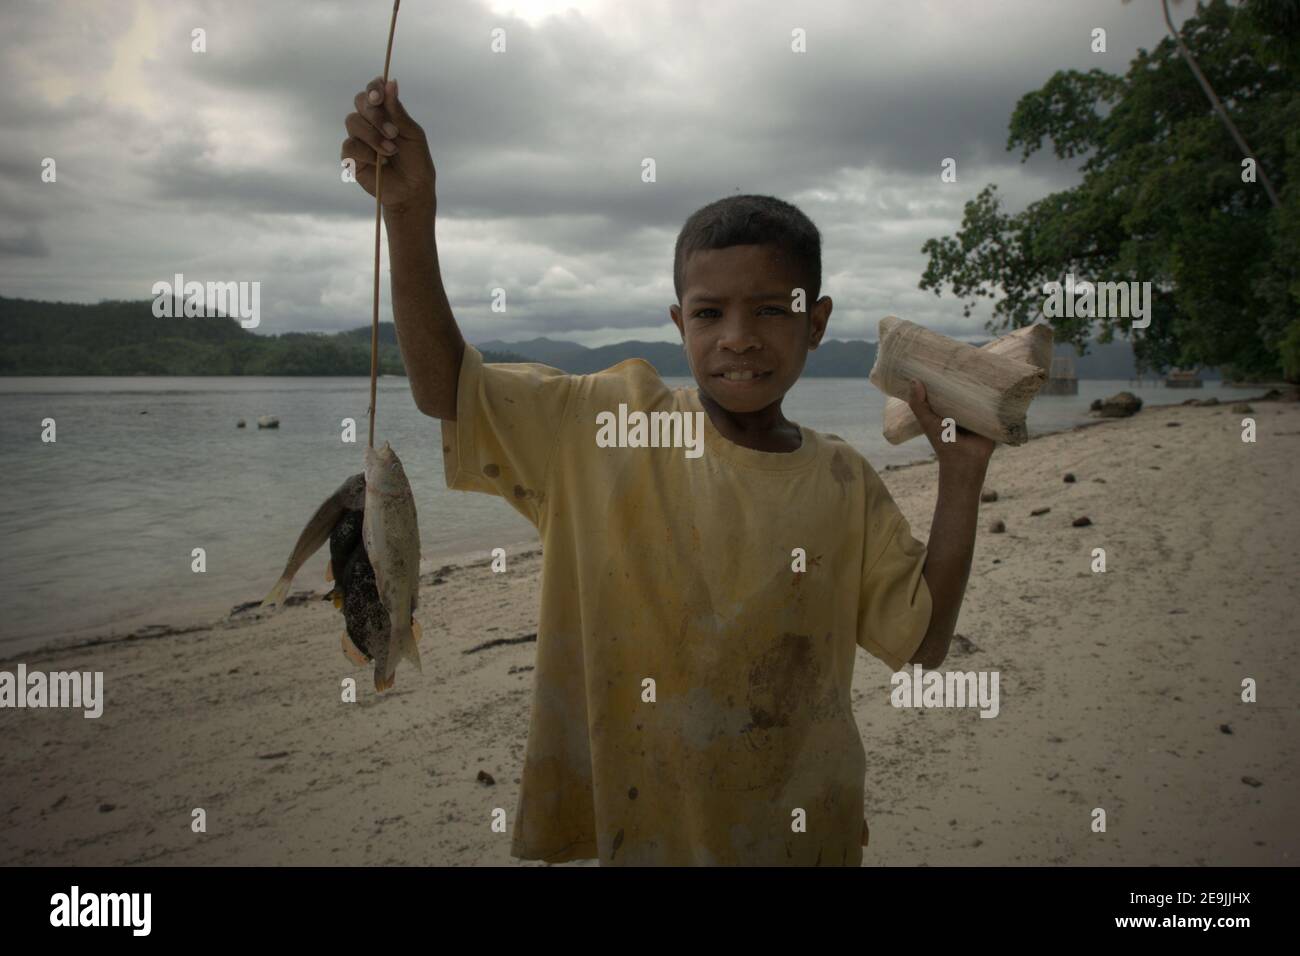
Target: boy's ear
(675, 313)
(817, 319)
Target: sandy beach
(1119, 690)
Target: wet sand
(1114, 692)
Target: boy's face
(745, 342)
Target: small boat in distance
(1183, 378)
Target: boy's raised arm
(431, 343)
(962, 466)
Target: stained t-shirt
(691, 699)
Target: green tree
(1162, 198)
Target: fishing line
(379, 209)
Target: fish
(391, 534)
(350, 496)
(355, 593)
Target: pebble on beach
(241, 424)
(1069, 478)
(1082, 522)
(1039, 511)
(997, 527)
(1242, 408)
(268, 421)
(988, 495)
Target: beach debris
(1031, 345)
(391, 535)
(277, 755)
(349, 496)
(497, 642)
(1100, 481)
(1242, 408)
(1252, 782)
(998, 527)
(1069, 478)
(1082, 522)
(964, 644)
(1224, 728)
(486, 779)
(241, 424)
(1173, 424)
(988, 495)
(1207, 402)
(1119, 405)
(1039, 511)
(268, 421)
(107, 807)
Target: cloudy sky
(223, 165)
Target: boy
(692, 701)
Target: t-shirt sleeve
(507, 427)
(895, 605)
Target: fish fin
(329, 570)
(351, 652)
(338, 598)
(415, 630)
(380, 684)
(278, 593)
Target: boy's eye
(700, 313)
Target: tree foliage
(1162, 199)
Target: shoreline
(1120, 690)
(240, 613)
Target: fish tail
(278, 593)
(404, 639)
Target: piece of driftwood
(1032, 345)
(982, 391)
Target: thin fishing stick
(379, 209)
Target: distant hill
(125, 338)
(834, 359)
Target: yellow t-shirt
(677, 570)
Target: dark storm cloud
(227, 161)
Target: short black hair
(752, 220)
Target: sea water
(99, 527)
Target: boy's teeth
(737, 376)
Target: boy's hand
(381, 127)
(968, 451)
